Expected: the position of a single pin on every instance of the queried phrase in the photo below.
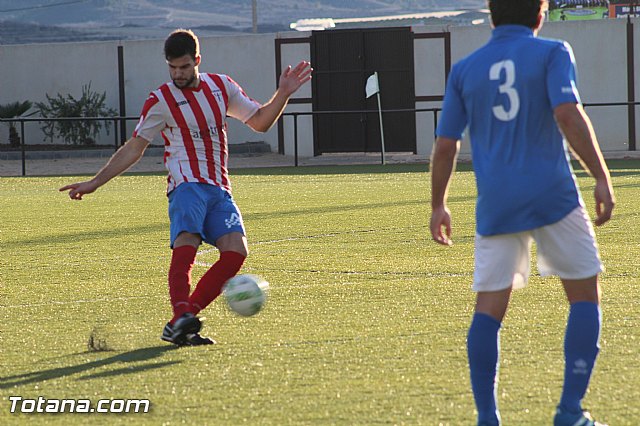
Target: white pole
(380, 115)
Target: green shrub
(14, 110)
(77, 132)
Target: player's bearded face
(186, 81)
(183, 71)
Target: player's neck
(196, 82)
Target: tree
(14, 110)
(77, 132)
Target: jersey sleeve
(453, 119)
(240, 106)
(561, 76)
(152, 119)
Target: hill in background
(32, 21)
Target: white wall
(27, 72)
(291, 54)
(429, 72)
(600, 48)
(30, 72)
(429, 67)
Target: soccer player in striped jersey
(518, 97)
(189, 112)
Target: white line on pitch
(72, 302)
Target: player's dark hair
(181, 42)
(515, 12)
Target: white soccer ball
(246, 294)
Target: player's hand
(77, 190)
(441, 218)
(292, 78)
(605, 201)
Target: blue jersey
(506, 92)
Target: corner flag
(372, 88)
(372, 85)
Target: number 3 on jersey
(506, 88)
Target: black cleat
(177, 333)
(167, 335)
(191, 339)
(194, 339)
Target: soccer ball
(246, 294)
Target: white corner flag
(371, 89)
(372, 85)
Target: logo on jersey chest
(203, 133)
(218, 94)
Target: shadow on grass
(335, 170)
(342, 208)
(129, 370)
(614, 173)
(76, 237)
(90, 235)
(618, 168)
(138, 355)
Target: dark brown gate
(342, 62)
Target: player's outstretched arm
(125, 157)
(443, 162)
(578, 131)
(290, 81)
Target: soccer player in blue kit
(517, 94)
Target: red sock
(210, 285)
(182, 260)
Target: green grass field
(365, 325)
(575, 15)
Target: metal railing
(295, 116)
(631, 117)
(119, 122)
(435, 111)
(119, 138)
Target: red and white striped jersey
(193, 124)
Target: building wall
(29, 72)
(292, 54)
(600, 48)
(601, 54)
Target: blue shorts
(207, 210)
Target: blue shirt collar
(503, 31)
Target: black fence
(435, 111)
(119, 124)
(295, 116)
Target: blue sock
(581, 347)
(483, 345)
